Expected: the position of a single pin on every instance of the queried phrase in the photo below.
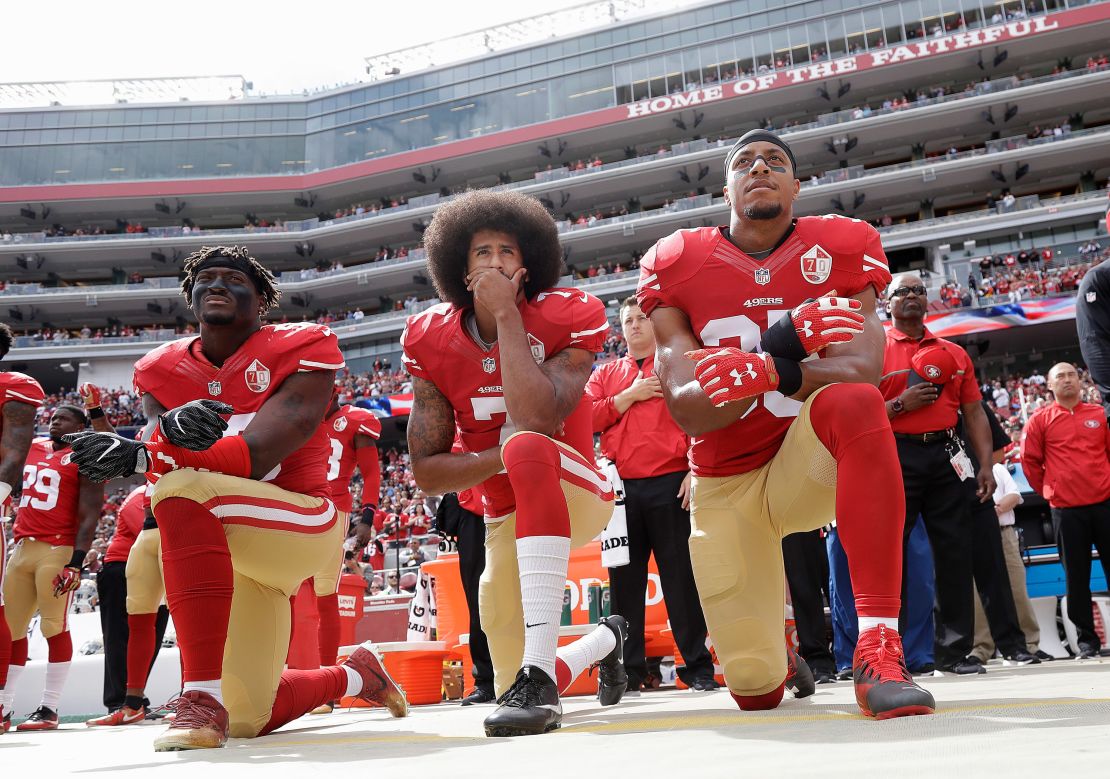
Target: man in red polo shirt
(1065, 457)
(927, 382)
(649, 449)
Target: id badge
(961, 464)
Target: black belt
(928, 438)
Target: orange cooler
(415, 665)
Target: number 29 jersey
(438, 348)
(51, 488)
(730, 298)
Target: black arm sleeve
(1092, 321)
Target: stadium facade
(928, 116)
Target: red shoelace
(190, 714)
(884, 655)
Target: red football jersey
(21, 388)
(730, 298)
(438, 348)
(48, 506)
(178, 372)
(129, 523)
(341, 429)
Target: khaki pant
(736, 549)
(1027, 620)
(277, 540)
(145, 585)
(29, 587)
(499, 600)
(326, 580)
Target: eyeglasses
(901, 292)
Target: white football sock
(354, 681)
(56, 674)
(866, 623)
(543, 564)
(7, 695)
(587, 650)
(210, 686)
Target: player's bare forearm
(530, 395)
(102, 425)
(90, 500)
(19, 429)
(288, 419)
(860, 361)
(431, 434)
(685, 399)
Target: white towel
(614, 538)
(422, 610)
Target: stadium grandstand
(973, 134)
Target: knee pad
(529, 447)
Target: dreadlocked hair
(447, 241)
(6, 338)
(263, 279)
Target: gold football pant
(145, 586)
(29, 587)
(326, 580)
(736, 548)
(589, 501)
(277, 540)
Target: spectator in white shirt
(1006, 497)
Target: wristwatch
(898, 406)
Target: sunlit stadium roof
(126, 90)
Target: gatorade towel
(422, 610)
(614, 538)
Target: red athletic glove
(90, 395)
(727, 374)
(66, 581)
(813, 326)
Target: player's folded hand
(813, 326)
(104, 456)
(90, 395)
(728, 374)
(195, 425)
(67, 580)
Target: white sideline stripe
(314, 364)
(603, 326)
(36, 401)
(274, 515)
(589, 474)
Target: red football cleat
(121, 716)
(5, 720)
(884, 686)
(42, 718)
(377, 685)
(201, 722)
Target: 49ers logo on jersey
(816, 265)
(340, 424)
(257, 377)
(539, 353)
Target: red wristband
(229, 456)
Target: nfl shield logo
(1091, 297)
(816, 265)
(257, 377)
(489, 365)
(762, 276)
(214, 388)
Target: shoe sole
(901, 711)
(507, 731)
(184, 747)
(34, 728)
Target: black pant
(807, 573)
(658, 523)
(1076, 529)
(934, 491)
(471, 540)
(992, 579)
(111, 591)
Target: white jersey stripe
(314, 364)
(13, 393)
(604, 326)
(868, 258)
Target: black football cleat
(530, 707)
(884, 686)
(612, 680)
(799, 678)
(42, 718)
(479, 695)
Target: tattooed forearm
(431, 427)
(19, 429)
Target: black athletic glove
(104, 456)
(196, 425)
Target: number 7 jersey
(438, 348)
(730, 298)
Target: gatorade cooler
(415, 665)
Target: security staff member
(1066, 457)
(1092, 321)
(927, 381)
(649, 450)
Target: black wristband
(96, 413)
(781, 340)
(78, 559)
(790, 375)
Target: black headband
(751, 136)
(235, 263)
